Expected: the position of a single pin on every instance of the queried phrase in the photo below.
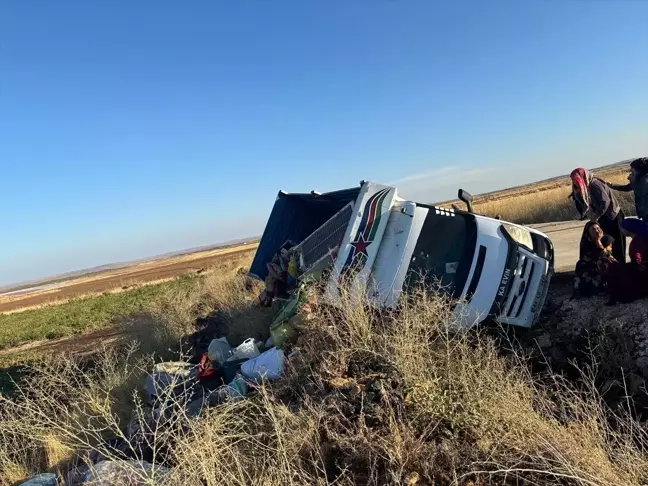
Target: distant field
(82, 315)
(103, 315)
(545, 201)
(119, 279)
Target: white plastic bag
(246, 350)
(219, 350)
(266, 366)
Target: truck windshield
(444, 252)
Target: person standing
(594, 200)
(638, 184)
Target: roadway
(566, 237)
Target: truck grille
(523, 279)
(324, 239)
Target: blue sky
(129, 129)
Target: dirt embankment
(610, 343)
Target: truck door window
(444, 253)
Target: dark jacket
(640, 189)
(602, 200)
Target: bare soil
(79, 345)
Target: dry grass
(546, 202)
(546, 206)
(369, 398)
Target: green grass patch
(81, 315)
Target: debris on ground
(282, 275)
(364, 394)
(267, 366)
(170, 378)
(46, 479)
(612, 340)
(124, 473)
(180, 391)
(246, 350)
(219, 350)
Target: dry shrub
(232, 298)
(227, 292)
(451, 408)
(179, 305)
(67, 406)
(223, 287)
(257, 441)
(223, 300)
(155, 333)
(369, 397)
(18, 459)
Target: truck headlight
(519, 235)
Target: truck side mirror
(467, 198)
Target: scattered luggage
(170, 379)
(219, 350)
(223, 374)
(266, 366)
(46, 479)
(205, 369)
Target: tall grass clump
(369, 396)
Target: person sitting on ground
(595, 201)
(629, 282)
(588, 279)
(606, 259)
(638, 184)
(637, 230)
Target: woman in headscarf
(595, 201)
(593, 261)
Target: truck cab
(490, 269)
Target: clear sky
(133, 128)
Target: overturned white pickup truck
(493, 270)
